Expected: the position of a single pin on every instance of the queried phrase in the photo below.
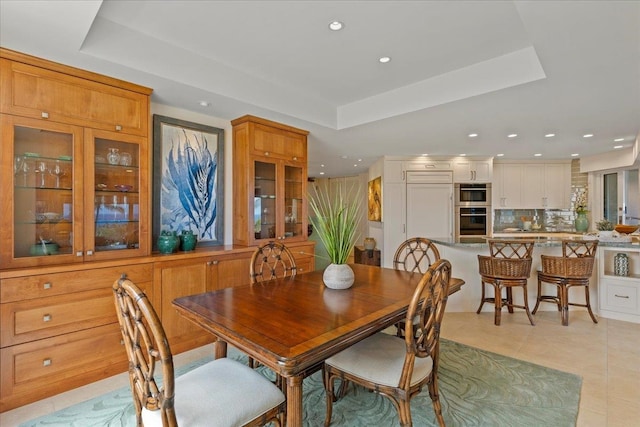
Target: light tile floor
(606, 355)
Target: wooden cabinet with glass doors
(270, 182)
(74, 165)
(71, 194)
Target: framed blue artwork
(188, 179)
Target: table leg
(220, 349)
(294, 401)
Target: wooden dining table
(293, 324)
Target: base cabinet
(174, 279)
(59, 329)
(619, 294)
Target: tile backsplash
(550, 220)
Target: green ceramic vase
(581, 222)
(167, 242)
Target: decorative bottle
(113, 156)
(621, 265)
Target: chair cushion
(379, 359)
(220, 393)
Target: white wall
(203, 119)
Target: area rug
(477, 388)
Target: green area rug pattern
(477, 388)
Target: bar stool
(508, 266)
(573, 268)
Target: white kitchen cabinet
(472, 170)
(557, 179)
(507, 185)
(619, 296)
(531, 185)
(429, 210)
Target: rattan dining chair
(270, 261)
(573, 268)
(415, 255)
(398, 368)
(222, 392)
(507, 266)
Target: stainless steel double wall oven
(473, 209)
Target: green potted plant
(335, 218)
(605, 228)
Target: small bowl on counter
(625, 228)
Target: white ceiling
(490, 67)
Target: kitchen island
(614, 303)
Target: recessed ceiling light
(550, 135)
(344, 157)
(588, 135)
(321, 173)
(336, 26)
(355, 166)
(321, 166)
(473, 135)
(512, 135)
(384, 59)
(538, 154)
(204, 104)
(500, 155)
(359, 160)
(424, 155)
(462, 155)
(575, 155)
(617, 146)
(618, 139)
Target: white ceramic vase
(338, 276)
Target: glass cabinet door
(115, 204)
(264, 201)
(293, 192)
(40, 185)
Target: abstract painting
(375, 200)
(188, 179)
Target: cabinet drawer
(621, 297)
(304, 265)
(30, 320)
(43, 368)
(33, 91)
(45, 285)
(272, 142)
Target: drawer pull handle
(46, 285)
(44, 115)
(622, 296)
(46, 362)
(266, 153)
(118, 127)
(46, 318)
(121, 342)
(295, 158)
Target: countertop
(548, 240)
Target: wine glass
(17, 165)
(25, 172)
(56, 171)
(41, 167)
